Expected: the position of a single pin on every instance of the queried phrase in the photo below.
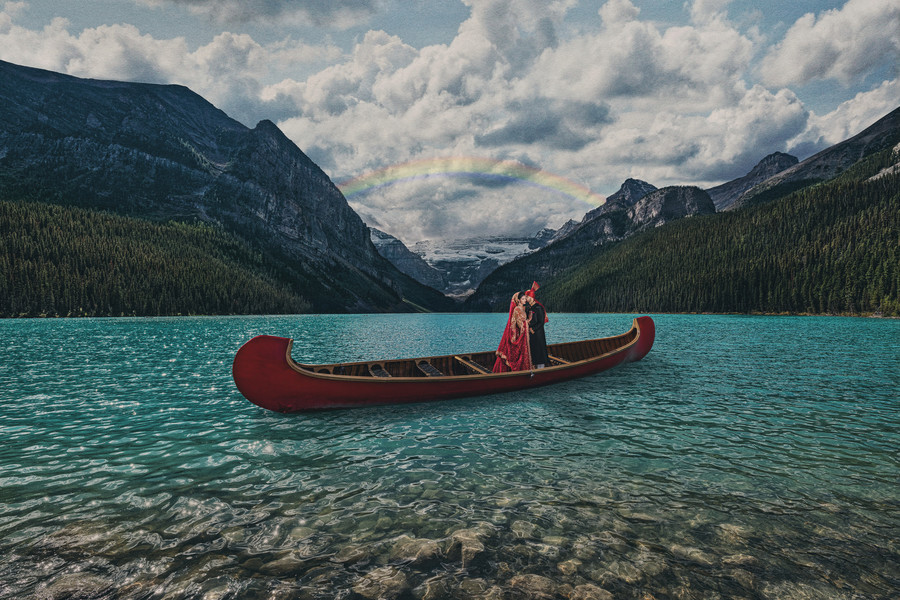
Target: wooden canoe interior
(479, 363)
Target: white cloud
(618, 11)
(454, 207)
(338, 14)
(707, 11)
(228, 71)
(594, 102)
(842, 44)
(848, 119)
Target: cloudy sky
(583, 92)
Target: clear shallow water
(744, 457)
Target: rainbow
(465, 166)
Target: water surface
(744, 457)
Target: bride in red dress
(513, 353)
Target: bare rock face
(652, 210)
(723, 196)
(670, 204)
(628, 194)
(162, 152)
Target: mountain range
(775, 175)
(820, 236)
(623, 217)
(258, 213)
(461, 265)
(163, 153)
(828, 163)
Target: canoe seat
(559, 361)
(378, 371)
(429, 369)
(474, 366)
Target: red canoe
(266, 374)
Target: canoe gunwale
(312, 370)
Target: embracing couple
(524, 345)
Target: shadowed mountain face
(407, 261)
(163, 152)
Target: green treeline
(832, 248)
(67, 261)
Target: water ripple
(734, 461)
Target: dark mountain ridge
(800, 246)
(725, 195)
(827, 164)
(162, 152)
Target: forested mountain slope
(831, 248)
(163, 153)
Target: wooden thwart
(472, 365)
(559, 360)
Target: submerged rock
(534, 586)
(434, 588)
(732, 533)
(523, 529)
(589, 591)
(350, 554)
(619, 570)
(415, 551)
(650, 563)
(746, 579)
(638, 517)
(695, 555)
(291, 562)
(569, 567)
(467, 545)
(473, 588)
(73, 586)
(299, 534)
(383, 583)
(740, 560)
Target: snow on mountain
(466, 262)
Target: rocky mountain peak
(627, 195)
(725, 195)
(773, 164)
(631, 191)
(881, 135)
(669, 204)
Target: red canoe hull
(267, 376)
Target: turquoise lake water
(744, 457)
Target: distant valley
(457, 267)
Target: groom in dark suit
(537, 316)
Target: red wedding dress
(513, 353)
